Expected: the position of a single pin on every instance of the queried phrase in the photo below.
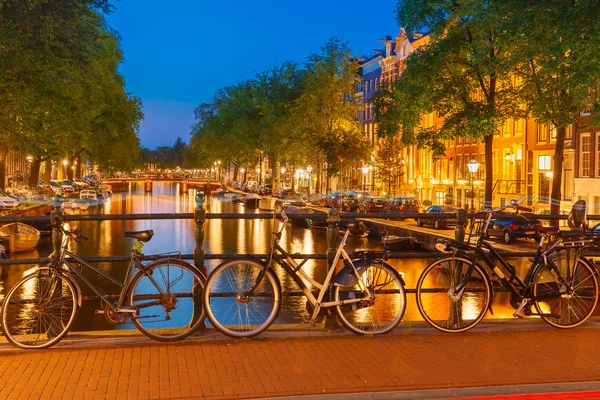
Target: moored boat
(251, 201)
(90, 196)
(20, 237)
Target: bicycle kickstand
(313, 319)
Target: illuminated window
(585, 156)
(544, 163)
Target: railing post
(333, 217)
(56, 216)
(199, 218)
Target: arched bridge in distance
(122, 184)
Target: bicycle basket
(476, 226)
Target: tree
(388, 161)
(60, 91)
(556, 59)
(325, 110)
(460, 75)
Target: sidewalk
(296, 362)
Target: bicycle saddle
(142, 236)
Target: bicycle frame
(134, 261)
(295, 270)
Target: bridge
(204, 185)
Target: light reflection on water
(221, 236)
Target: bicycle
(454, 293)
(159, 299)
(243, 297)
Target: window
(506, 127)
(542, 133)
(553, 132)
(544, 163)
(569, 133)
(585, 156)
(519, 124)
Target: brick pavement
(300, 364)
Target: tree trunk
(48, 172)
(489, 171)
(556, 195)
(3, 155)
(78, 167)
(34, 176)
(70, 168)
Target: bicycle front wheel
(439, 303)
(167, 297)
(565, 297)
(39, 310)
(384, 312)
(231, 309)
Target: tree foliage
(61, 94)
(292, 115)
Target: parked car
(351, 201)
(282, 192)
(65, 188)
(56, 187)
(266, 189)
(405, 205)
(7, 201)
(334, 200)
(374, 204)
(81, 183)
(441, 216)
(510, 226)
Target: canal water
(221, 236)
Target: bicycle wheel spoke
(439, 303)
(231, 308)
(164, 297)
(378, 315)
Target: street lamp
(473, 166)
(283, 175)
(309, 169)
(365, 171)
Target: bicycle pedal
(126, 310)
(521, 306)
(98, 312)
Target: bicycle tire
(236, 316)
(435, 300)
(388, 309)
(176, 316)
(584, 299)
(23, 320)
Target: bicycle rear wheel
(229, 307)
(379, 315)
(446, 310)
(570, 305)
(168, 300)
(39, 310)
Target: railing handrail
(317, 215)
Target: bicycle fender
(346, 276)
(70, 278)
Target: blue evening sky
(179, 53)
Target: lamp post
(365, 171)
(259, 175)
(401, 173)
(309, 170)
(473, 166)
(283, 176)
(219, 168)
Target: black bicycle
(162, 299)
(454, 293)
(242, 298)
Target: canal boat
(359, 230)
(20, 237)
(74, 206)
(267, 204)
(218, 192)
(393, 242)
(90, 196)
(251, 201)
(105, 190)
